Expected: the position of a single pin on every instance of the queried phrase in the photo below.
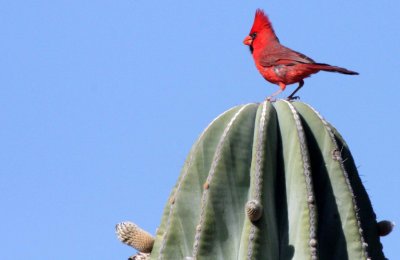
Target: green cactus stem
(269, 181)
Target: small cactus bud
(385, 227)
(134, 236)
(254, 210)
(336, 155)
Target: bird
(279, 64)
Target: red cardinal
(277, 63)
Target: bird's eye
(253, 35)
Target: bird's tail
(327, 67)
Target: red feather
(261, 21)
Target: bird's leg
(291, 96)
(282, 88)
(270, 98)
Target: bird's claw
(289, 98)
(270, 99)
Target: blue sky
(102, 100)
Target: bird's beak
(248, 40)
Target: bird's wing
(283, 56)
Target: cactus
(269, 181)
(132, 235)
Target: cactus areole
(268, 181)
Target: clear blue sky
(100, 101)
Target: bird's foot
(270, 99)
(290, 98)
